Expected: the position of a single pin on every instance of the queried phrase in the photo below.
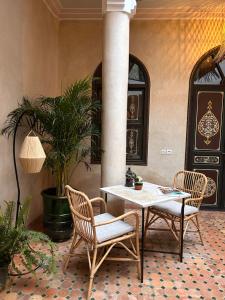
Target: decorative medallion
(206, 159)
(132, 140)
(133, 107)
(210, 188)
(208, 126)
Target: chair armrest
(100, 200)
(190, 200)
(135, 214)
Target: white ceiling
(146, 3)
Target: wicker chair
(191, 182)
(100, 233)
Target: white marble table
(148, 196)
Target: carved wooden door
(205, 150)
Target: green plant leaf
(64, 125)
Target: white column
(114, 105)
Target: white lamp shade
(32, 155)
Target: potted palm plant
(19, 241)
(64, 125)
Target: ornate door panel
(208, 120)
(205, 151)
(212, 190)
(135, 125)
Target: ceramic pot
(58, 223)
(138, 186)
(3, 275)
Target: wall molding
(61, 13)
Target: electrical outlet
(169, 151)
(163, 151)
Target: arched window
(137, 111)
(209, 72)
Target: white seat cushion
(174, 208)
(112, 230)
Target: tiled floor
(200, 276)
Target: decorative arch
(137, 111)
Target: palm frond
(63, 124)
(17, 240)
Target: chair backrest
(82, 213)
(193, 183)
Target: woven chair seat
(174, 208)
(110, 231)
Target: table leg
(182, 230)
(106, 197)
(142, 243)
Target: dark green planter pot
(3, 275)
(58, 221)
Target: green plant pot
(58, 223)
(3, 275)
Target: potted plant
(64, 125)
(18, 240)
(138, 182)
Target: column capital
(127, 6)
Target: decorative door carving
(205, 149)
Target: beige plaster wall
(28, 66)
(80, 51)
(169, 49)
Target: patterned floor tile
(200, 276)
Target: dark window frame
(142, 125)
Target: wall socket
(169, 151)
(163, 151)
(166, 151)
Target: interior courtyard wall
(28, 67)
(169, 49)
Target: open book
(167, 190)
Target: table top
(148, 196)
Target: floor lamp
(32, 157)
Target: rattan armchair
(191, 182)
(100, 233)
